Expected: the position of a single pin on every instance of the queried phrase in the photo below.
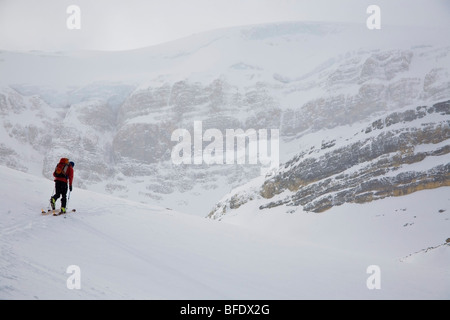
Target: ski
(54, 212)
(60, 212)
(46, 213)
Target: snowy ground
(127, 250)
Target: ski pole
(68, 199)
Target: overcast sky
(129, 24)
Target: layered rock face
(403, 152)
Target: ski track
(146, 258)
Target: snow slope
(127, 250)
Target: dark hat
(72, 164)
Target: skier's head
(72, 164)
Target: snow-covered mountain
(113, 113)
(363, 120)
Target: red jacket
(69, 174)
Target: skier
(63, 174)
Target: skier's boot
(63, 210)
(52, 203)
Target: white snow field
(128, 250)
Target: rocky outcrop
(398, 154)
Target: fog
(27, 25)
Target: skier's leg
(55, 196)
(57, 190)
(64, 195)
